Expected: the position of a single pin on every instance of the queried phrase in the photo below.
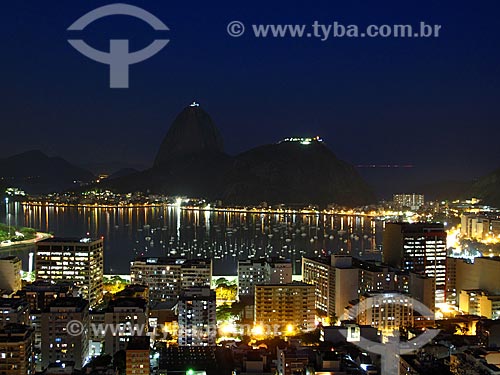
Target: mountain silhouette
(293, 172)
(192, 133)
(38, 173)
(191, 162)
(487, 188)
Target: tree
(227, 293)
(223, 312)
(120, 361)
(221, 281)
(101, 361)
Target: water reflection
(223, 236)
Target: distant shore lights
(303, 141)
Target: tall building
(480, 303)
(62, 340)
(482, 274)
(289, 362)
(127, 317)
(412, 201)
(476, 285)
(16, 350)
(250, 273)
(451, 294)
(196, 316)
(77, 260)
(376, 277)
(285, 307)
(39, 296)
(13, 310)
(318, 272)
(419, 248)
(279, 271)
(196, 272)
(137, 356)
(262, 271)
(385, 311)
(41, 293)
(336, 282)
(10, 274)
(475, 226)
(422, 288)
(166, 277)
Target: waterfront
(225, 236)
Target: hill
(487, 188)
(191, 161)
(38, 173)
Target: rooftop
(165, 261)
(72, 240)
(138, 343)
(127, 302)
(68, 302)
(417, 227)
(10, 258)
(46, 285)
(197, 293)
(15, 333)
(12, 303)
(292, 284)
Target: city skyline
(271, 188)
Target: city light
(258, 330)
(228, 328)
(140, 238)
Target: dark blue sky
(433, 103)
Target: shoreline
(25, 243)
(252, 210)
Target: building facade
(251, 273)
(10, 274)
(385, 311)
(137, 360)
(39, 295)
(419, 248)
(196, 317)
(79, 261)
(17, 350)
(166, 277)
(128, 318)
(335, 281)
(285, 307)
(13, 310)
(422, 288)
(412, 201)
(62, 340)
(475, 286)
(262, 271)
(479, 302)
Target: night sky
(433, 103)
